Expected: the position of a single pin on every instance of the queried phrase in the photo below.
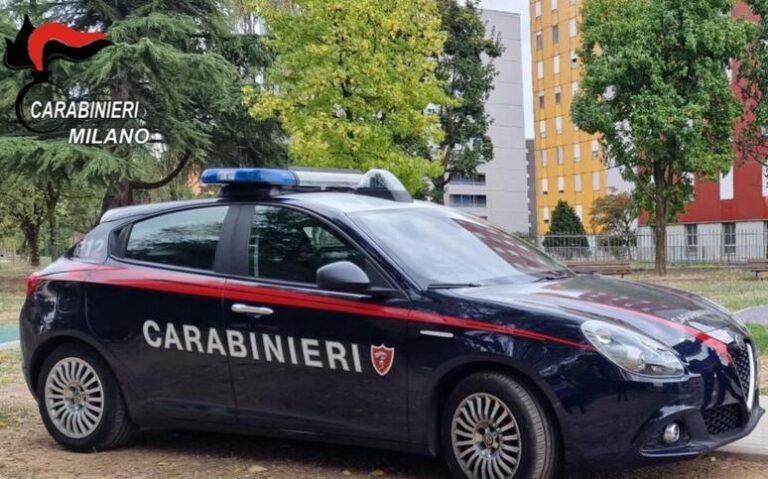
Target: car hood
(666, 314)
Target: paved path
(756, 315)
(754, 446)
(9, 345)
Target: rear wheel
(494, 428)
(80, 401)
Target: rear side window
(184, 238)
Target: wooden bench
(608, 268)
(758, 266)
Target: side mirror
(342, 276)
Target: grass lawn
(13, 285)
(733, 288)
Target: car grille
(720, 420)
(741, 359)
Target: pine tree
(183, 61)
(566, 236)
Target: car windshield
(442, 247)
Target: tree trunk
(121, 193)
(661, 221)
(32, 239)
(52, 200)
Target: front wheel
(80, 401)
(494, 428)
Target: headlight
(631, 351)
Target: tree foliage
(614, 213)
(353, 82)
(466, 68)
(566, 236)
(751, 74)
(656, 91)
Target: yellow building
(569, 162)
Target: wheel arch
(45, 348)
(451, 378)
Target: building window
(476, 179)
(468, 201)
(561, 184)
(691, 239)
(557, 95)
(577, 183)
(560, 155)
(544, 186)
(574, 59)
(554, 5)
(540, 70)
(544, 158)
(595, 149)
(580, 212)
(559, 125)
(543, 129)
(574, 88)
(545, 212)
(537, 9)
(539, 40)
(556, 34)
(726, 185)
(573, 27)
(596, 180)
(577, 152)
(729, 238)
(556, 64)
(541, 99)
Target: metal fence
(702, 248)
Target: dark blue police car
(328, 305)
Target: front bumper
(619, 424)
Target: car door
(156, 307)
(319, 361)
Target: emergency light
(378, 183)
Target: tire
(489, 422)
(80, 401)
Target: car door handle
(255, 310)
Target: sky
(521, 7)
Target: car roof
(353, 203)
(344, 203)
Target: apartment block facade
(569, 162)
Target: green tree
(467, 70)
(656, 91)
(614, 215)
(566, 236)
(353, 82)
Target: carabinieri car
(329, 305)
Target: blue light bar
(256, 176)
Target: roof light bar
(379, 183)
(254, 176)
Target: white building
(499, 192)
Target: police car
(330, 306)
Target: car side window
(289, 245)
(184, 238)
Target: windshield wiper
(553, 276)
(453, 285)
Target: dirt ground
(27, 452)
